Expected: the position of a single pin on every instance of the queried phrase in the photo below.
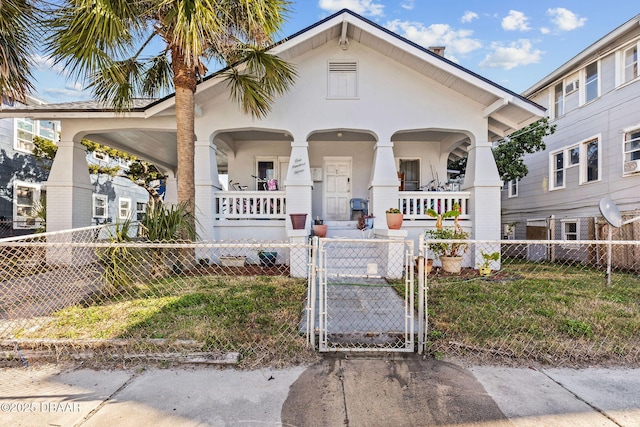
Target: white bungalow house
(367, 108)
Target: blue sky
(514, 43)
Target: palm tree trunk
(185, 85)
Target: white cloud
(565, 20)
(515, 21)
(69, 93)
(545, 30)
(516, 53)
(407, 4)
(45, 63)
(363, 7)
(468, 16)
(456, 41)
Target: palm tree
(18, 30)
(107, 42)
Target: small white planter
(233, 261)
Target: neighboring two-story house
(23, 179)
(594, 99)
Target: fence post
(422, 324)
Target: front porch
(263, 215)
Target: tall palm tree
(18, 30)
(107, 42)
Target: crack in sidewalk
(105, 401)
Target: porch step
(346, 230)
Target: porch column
(171, 190)
(384, 184)
(482, 180)
(69, 189)
(298, 195)
(207, 184)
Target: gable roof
(505, 110)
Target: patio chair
(359, 205)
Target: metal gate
(361, 295)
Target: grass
(257, 316)
(537, 311)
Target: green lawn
(537, 311)
(257, 316)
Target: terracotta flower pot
(394, 221)
(298, 220)
(319, 230)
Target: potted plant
(484, 267)
(394, 218)
(365, 222)
(449, 253)
(267, 258)
(319, 228)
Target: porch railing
(414, 204)
(250, 205)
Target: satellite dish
(610, 212)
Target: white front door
(337, 188)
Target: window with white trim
(342, 80)
(141, 210)
(591, 165)
(570, 229)
(558, 100)
(513, 188)
(100, 206)
(557, 170)
(124, 208)
(26, 129)
(630, 64)
(26, 196)
(631, 150)
(591, 85)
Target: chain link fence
(564, 303)
(84, 294)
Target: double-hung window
(26, 196)
(557, 170)
(631, 149)
(591, 165)
(591, 82)
(630, 64)
(27, 128)
(100, 206)
(558, 100)
(124, 208)
(570, 229)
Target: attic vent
(343, 67)
(342, 82)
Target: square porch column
(207, 185)
(482, 180)
(69, 189)
(385, 184)
(69, 202)
(298, 187)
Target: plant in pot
(365, 222)
(449, 253)
(394, 218)
(484, 267)
(267, 258)
(319, 228)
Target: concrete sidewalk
(337, 391)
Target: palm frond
(117, 84)
(158, 77)
(85, 35)
(19, 32)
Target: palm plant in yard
(109, 44)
